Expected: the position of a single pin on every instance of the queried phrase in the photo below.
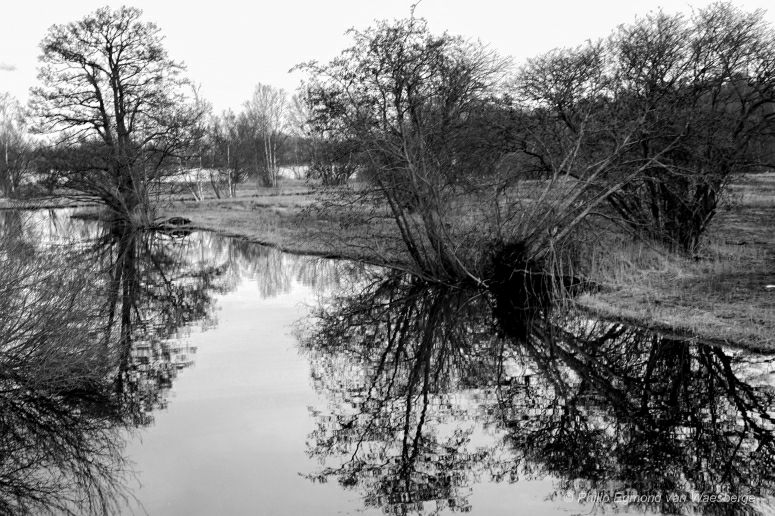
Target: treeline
(254, 142)
(267, 139)
(271, 136)
(226, 149)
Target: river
(216, 376)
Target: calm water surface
(247, 381)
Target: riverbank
(718, 296)
(39, 203)
(286, 218)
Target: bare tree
(226, 154)
(15, 147)
(709, 80)
(110, 89)
(330, 156)
(694, 97)
(267, 110)
(405, 96)
(435, 127)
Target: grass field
(285, 218)
(719, 295)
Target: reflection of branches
(60, 442)
(90, 317)
(74, 324)
(157, 286)
(61, 452)
(411, 370)
(400, 357)
(646, 413)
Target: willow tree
(117, 104)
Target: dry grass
(285, 219)
(38, 203)
(718, 295)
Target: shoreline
(43, 204)
(690, 304)
(719, 299)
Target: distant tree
(15, 146)
(107, 84)
(329, 158)
(267, 111)
(224, 153)
(333, 161)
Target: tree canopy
(109, 88)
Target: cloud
(4, 67)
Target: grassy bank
(38, 203)
(718, 295)
(285, 218)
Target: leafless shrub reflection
(60, 431)
(414, 372)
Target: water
(206, 375)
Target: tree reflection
(86, 351)
(60, 444)
(275, 272)
(153, 288)
(388, 358)
(625, 409)
(415, 372)
(93, 326)
(93, 320)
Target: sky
(229, 46)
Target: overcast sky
(230, 46)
